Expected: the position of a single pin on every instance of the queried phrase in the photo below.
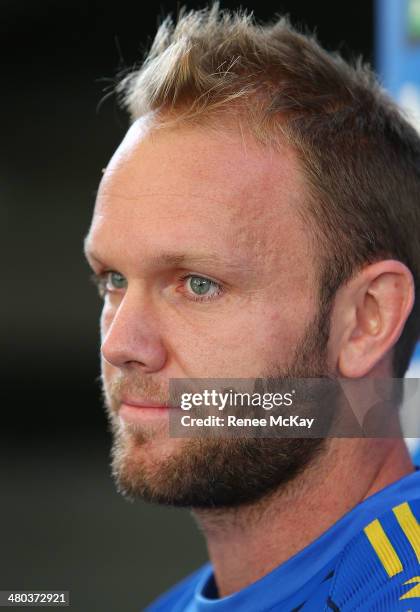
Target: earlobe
(379, 299)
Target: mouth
(138, 411)
(142, 403)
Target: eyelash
(100, 281)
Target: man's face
(209, 273)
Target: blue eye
(198, 288)
(109, 282)
(202, 288)
(199, 285)
(116, 280)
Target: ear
(369, 315)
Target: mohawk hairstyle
(359, 155)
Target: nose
(131, 335)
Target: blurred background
(62, 524)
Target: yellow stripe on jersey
(383, 548)
(409, 525)
(415, 591)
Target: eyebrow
(177, 259)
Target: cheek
(236, 347)
(268, 336)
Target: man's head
(256, 221)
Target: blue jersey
(368, 561)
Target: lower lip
(137, 414)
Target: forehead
(192, 186)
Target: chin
(205, 472)
(140, 459)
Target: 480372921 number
(34, 598)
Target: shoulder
(180, 595)
(379, 569)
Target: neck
(248, 542)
